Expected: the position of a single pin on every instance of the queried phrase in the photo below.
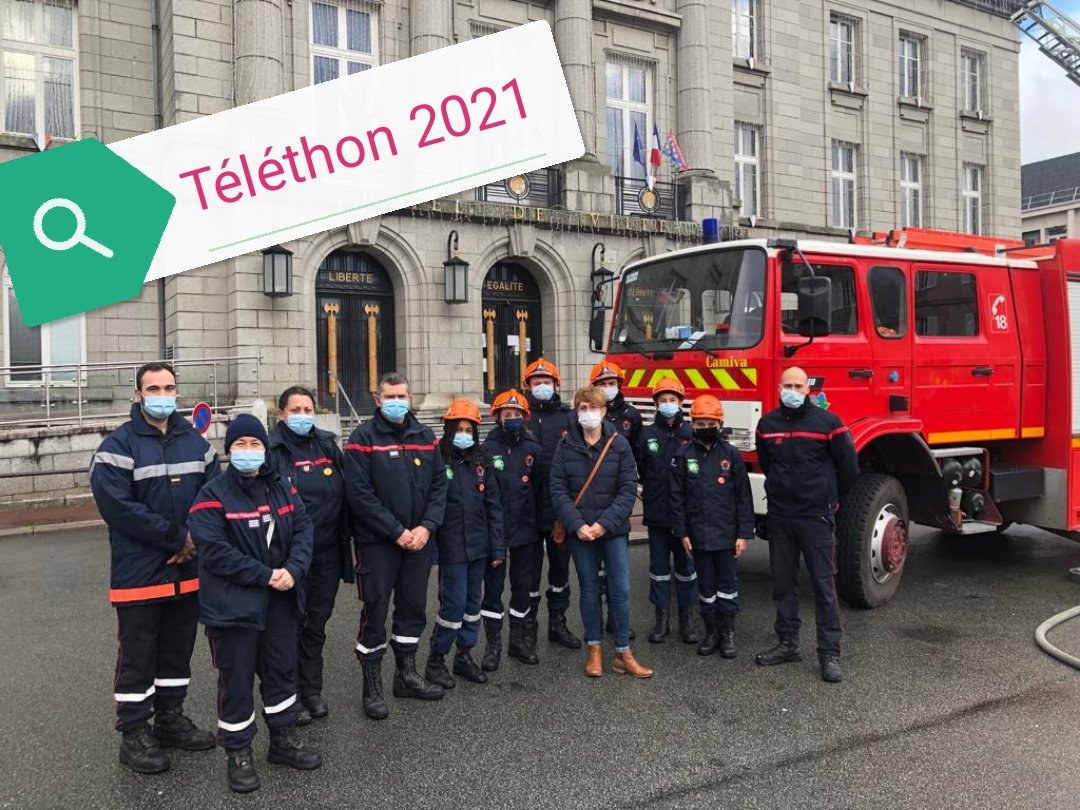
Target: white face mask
(610, 393)
(590, 420)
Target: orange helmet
(541, 366)
(669, 385)
(510, 399)
(605, 369)
(707, 407)
(462, 409)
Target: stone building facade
(1050, 199)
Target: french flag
(654, 153)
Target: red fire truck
(954, 359)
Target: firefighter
(395, 484)
(516, 456)
(809, 462)
(311, 460)
(656, 452)
(712, 512)
(608, 377)
(549, 419)
(144, 477)
(469, 543)
(254, 539)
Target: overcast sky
(1049, 102)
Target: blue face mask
(668, 409)
(463, 441)
(159, 407)
(300, 423)
(514, 425)
(394, 409)
(247, 461)
(792, 399)
(543, 392)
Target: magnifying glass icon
(79, 237)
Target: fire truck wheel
(872, 540)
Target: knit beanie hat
(246, 425)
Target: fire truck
(954, 360)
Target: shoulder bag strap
(596, 467)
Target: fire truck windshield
(705, 300)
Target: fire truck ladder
(1057, 34)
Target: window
(845, 316)
(629, 90)
(1031, 237)
(842, 49)
(742, 29)
(973, 207)
(973, 69)
(54, 343)
(344, 38)
(888, 296)
(39, 67)
(945, 304)
(843, 184)
(1057, 232)
(910, 53)
(747, 174)
(911, 191)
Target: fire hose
(1050, 624)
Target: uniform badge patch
(450, 473)
(654, 445)
(416, 461)
(498, 462)
(692, 466)
(720, 480)
(725, 465)
(328, 472)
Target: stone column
(430, 25)
(259, 69)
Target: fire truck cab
(950, 357)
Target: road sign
(201, 417)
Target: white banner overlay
(360, 146)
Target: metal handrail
(1049, 198)
(340, 389)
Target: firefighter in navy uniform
(516, 457)
(312, 461)
(608, 377)
(254, 539)
(656, 452)
(395, 483)
(549, 420)
(469, 543)
(809, 462)
(712, 512)
(145, 476)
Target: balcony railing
(1050, 198)
(633, 198)
(540, 189)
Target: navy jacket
(395, 479)
(656, 454)
(522, 482)
(610, 497)
(711, 502)
(472, 527)
(627, 420)
(549, 422)
(230, 521)
(808, 458)
(144, 483)
(315, 465)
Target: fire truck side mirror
(596, 331)
(815, 306)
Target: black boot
(785, 651)
(174, 729)
(662, 627)
(830, 667)
(687, 631)
(303, 716)
(436, 671)
(493, 649)
(522, 644)
(374, 703)
(409, 684)
(609, 628)
(316, 706)
(727, 636)
(711, 640)
(242, 775)
(140, 751)
(466, 667)
(559, 633)
(286, 748)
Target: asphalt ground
(947, 702)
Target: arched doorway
(511, 313)
(355, 311)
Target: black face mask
(707, 434)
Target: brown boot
(626, 663)
(594, 664)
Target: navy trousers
(322, 585)
(520, 561)
(718, 582)
(458, 619)
(664, 547)
(815, 540)
(385, 570)
(558, 592)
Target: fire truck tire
(871, 534)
